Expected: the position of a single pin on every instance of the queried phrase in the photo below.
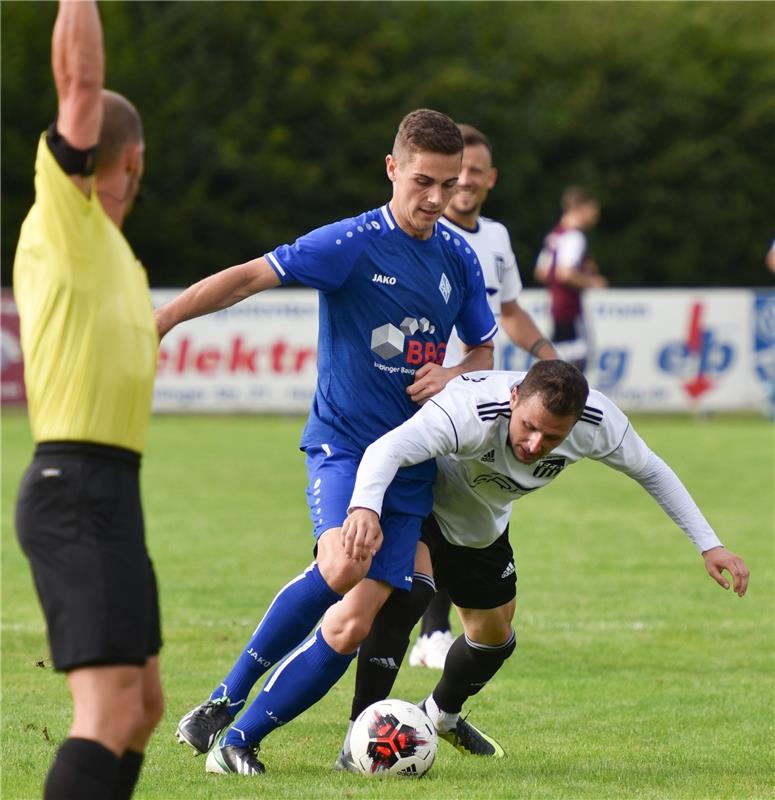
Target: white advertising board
(676, 349)
(653, 350)
(258, 355)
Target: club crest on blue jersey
(445, 287)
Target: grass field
(635, 676)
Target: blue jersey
(388, 303)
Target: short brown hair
(121, 125)
(473, 136)
(575, 196)
(428, 131)
(563, 388)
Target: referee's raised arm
(78, 61)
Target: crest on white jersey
(500, 266)
(445, 287)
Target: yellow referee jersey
(87, 327)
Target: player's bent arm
(431, 378)
(659, 480)
(429, 433)
(476, 358)
(523, 331)
(218, 291)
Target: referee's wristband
(72, 160)
(537, 345)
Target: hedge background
(264, 120)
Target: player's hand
(718, 559)
(361, 534)
(429, 380)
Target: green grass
(635, 675)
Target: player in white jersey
(497, 436)
(492, 245)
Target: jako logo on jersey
(260, 659)
(699, 358)
(388, 341)
(549, 467)
(388, 279)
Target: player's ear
(514, 396)
(133, 157)
(390, 164)
(493, 179)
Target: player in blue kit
(393, 282)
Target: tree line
(266, 119)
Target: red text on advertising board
(277, 356)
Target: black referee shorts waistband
(92, 449)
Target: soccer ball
(393, 737)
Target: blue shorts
(331, 470)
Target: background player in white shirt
(492, 245)
(503, 284)
(496, 437)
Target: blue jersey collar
(390, 221)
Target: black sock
(128, 772)
(469, 666)
(436, 617)
(82, 770)
(383, 650)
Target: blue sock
(294, 612)
(298, 683)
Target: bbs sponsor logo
(389, 341)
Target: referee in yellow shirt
(90, 346)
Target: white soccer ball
(393, 737)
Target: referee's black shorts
(475, 577)
(79, 521)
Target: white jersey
(465, 427)
(563, 248)
(502, 281)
